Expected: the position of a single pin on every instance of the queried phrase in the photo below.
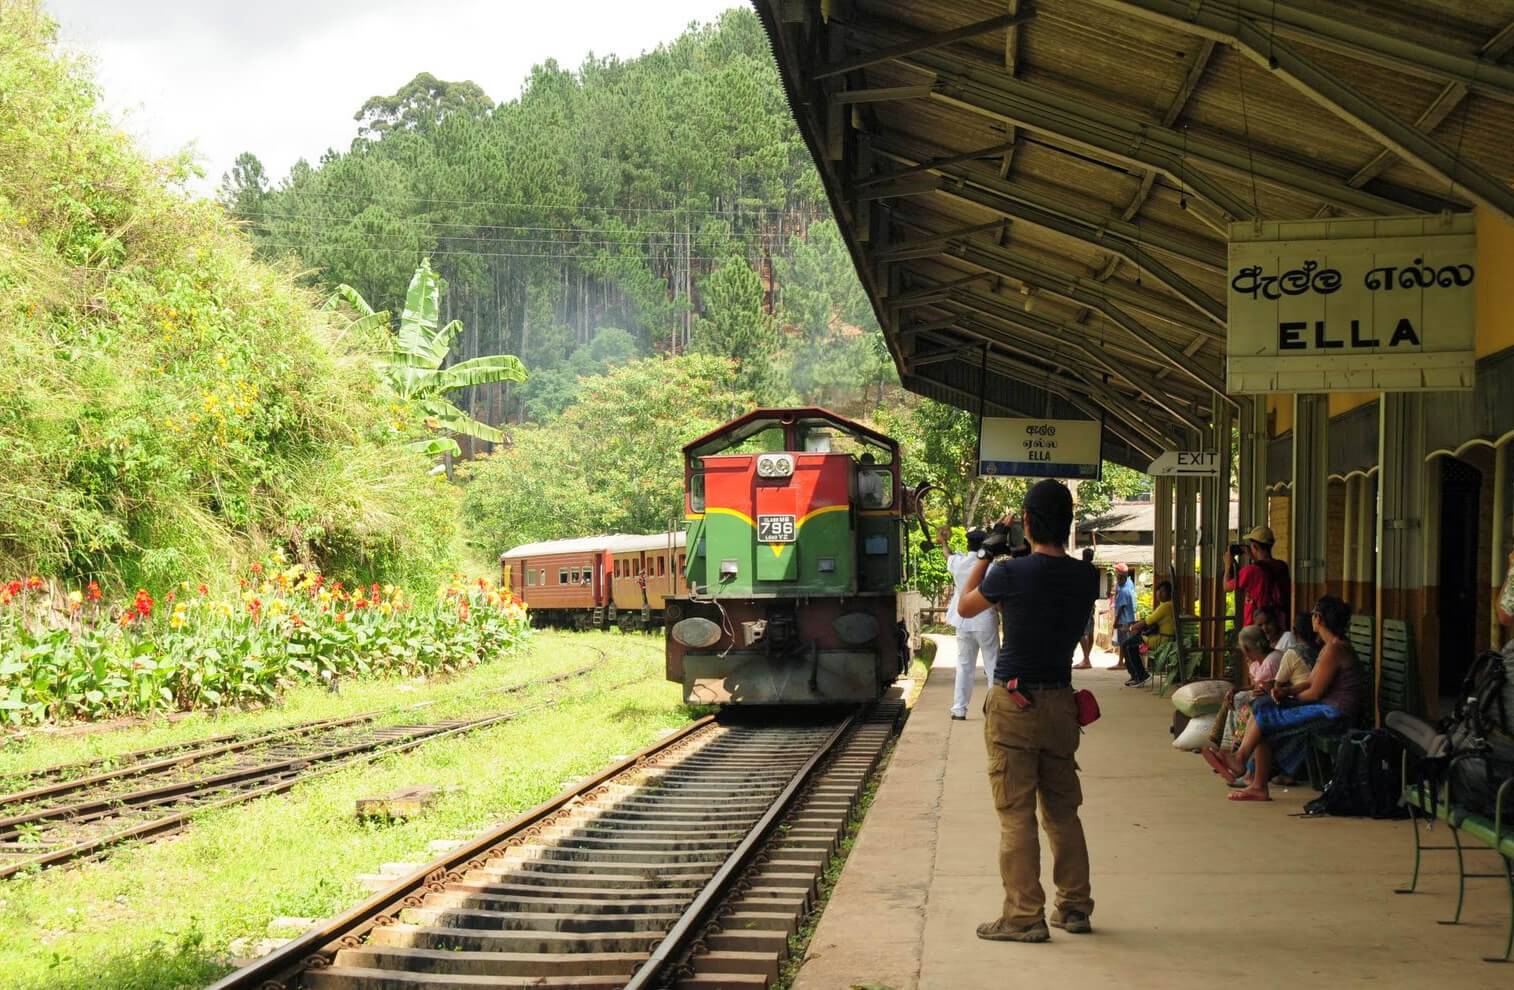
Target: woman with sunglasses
(1278, 736)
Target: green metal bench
(1496, 835)
(1398, 690)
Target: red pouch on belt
(1088, 707)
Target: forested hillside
(656, 205)
(172, 408)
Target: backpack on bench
(1482, 732)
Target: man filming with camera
(1031, 725)
(1263, 581)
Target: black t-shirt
(1045, 602)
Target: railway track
(79, 810)
(688, 864)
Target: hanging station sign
(1040, 448)
(1186, 464)
(1387, 303)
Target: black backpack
(1482, 733)
(1366, 781)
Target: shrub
(76, 655)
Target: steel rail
(692, 921)
(173, 822)
(185, 754)
(289, 959)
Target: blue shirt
(1124, 604)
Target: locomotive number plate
(775, 529)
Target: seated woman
(1279, 731)
(1298, 660)
(1159, 627)
(1260, 664)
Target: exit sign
(1186, 464)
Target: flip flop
(1248, 795)
(1213, 758)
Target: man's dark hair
(1165, 584)
(975, 538)
(1048, 512)
(1088, 555)
(1334, 614)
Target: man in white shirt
(977, 636)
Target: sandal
(1215, 760)
(1248, 795)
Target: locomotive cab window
(696, 490)
(875, 487)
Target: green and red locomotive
(794, 539)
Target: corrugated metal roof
(614, 542)
(1117, 138)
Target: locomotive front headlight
(775, 466)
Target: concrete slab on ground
(1191, 890)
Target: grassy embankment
(159, 916)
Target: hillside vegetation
(173, 408)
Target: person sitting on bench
(1261, 664)
(1159, 627)
(1281, 725)
(1298, 660)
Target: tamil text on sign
(1039, 448)
(1352, 305)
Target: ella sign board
(1387, 303)
(1186, 464)
(1040, 448)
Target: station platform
(1191, 890)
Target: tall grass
(169, 406)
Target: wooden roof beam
(1319, 24)
(1440, 108)
(923, 42)
(1326, 89)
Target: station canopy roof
(1036, 193)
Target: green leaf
(482, 371)
(418, 322)
(347, 294)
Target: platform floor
(1191, 890)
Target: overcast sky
(282, 78)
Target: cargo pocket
(998, 763)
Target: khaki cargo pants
(1031, 753)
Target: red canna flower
(203, 590)
(143, 603)
(255, 606)
(92, 592)
(14, 587)
(34, 583)
(341, 617)
(257, 568)
(169, 597)
(373, 591)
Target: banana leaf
(482, 371)
(436, 446)
(418, 322)
(347, 294)
(444, 415)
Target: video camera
(1006, 540)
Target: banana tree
(413, 366)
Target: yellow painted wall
(1280, 411)
(1343, 402)
(1495, 267)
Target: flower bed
(69, 654)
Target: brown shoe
(1002, 931)
(1072, 922)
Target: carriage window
(662, 566)
(530, 577)
(588, 575)
(682, 562)
(562, 576)
(617, 568)
(541, 576)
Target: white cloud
(282, 78)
